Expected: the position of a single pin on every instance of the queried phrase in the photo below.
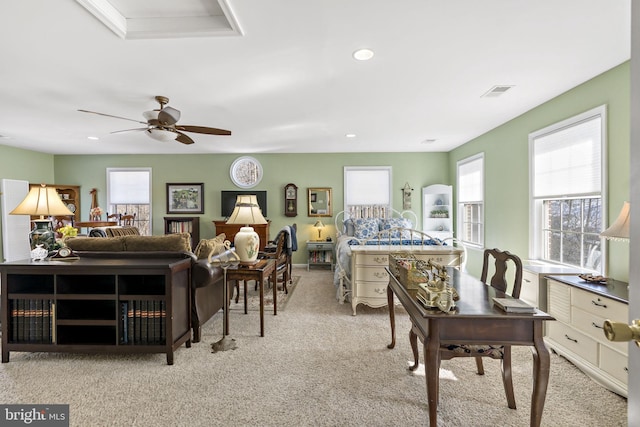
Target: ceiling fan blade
(203, 129)
(168, 116)
(184, 138)
(111, 115)
(129, 130)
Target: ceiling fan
(162, 124)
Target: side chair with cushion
(502, 260)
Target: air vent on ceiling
(496, 91)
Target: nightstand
(319, 252)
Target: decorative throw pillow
(389, 223)
(205, 246)
(366, 228)
(178, 242)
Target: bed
(365, 241)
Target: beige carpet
(316, 366)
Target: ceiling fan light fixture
(162, 134)
(151, 115)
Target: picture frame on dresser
(185, 198)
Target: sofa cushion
(110, 244)
(205, 246)
(179, 242)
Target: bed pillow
(349, 227)
(366, 228)
(389, 223)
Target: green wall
(507, 164)
(304, 170)
(25, 165)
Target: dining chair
(114, 217)
(127, 220)
(499, 263)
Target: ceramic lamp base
(247, 244)
(42, 235)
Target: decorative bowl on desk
(593, 279)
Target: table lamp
(43, 201)
(619, 230)
(319, 225)
(247, 242)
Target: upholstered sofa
(207, 280)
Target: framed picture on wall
(185, 198)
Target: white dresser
(580, 309)
(368, 275)
(534, 283)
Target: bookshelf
(183, 224)
(96, 305)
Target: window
(567, 184)
(129, 192)
(367, 191)
(470, 177)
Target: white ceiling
(286, 82)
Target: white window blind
(471, 180)
(367, 185)
(568, 161)
(128, 186)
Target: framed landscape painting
(185, 198)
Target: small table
(259, 272)
(319, 252)
(475, 321)
(93, 224)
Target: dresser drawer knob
(596, 326)
(380, 274)
(380, 291)
(598, 304)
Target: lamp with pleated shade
(43, 201)
(619, 230)
(246, 241)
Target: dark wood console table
(230, 231)
(96, 305)
(475, 321)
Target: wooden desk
(258, 271)
(230, 231)
(476, 321)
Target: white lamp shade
(43, 201)
(161, 134)
(247, 211)
(619, 230)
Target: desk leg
(261, 307)
(541, 367)
(432, 370)
(274, 280)
(392, 316)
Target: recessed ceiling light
(363, 54)
(350, 135)
(95, 138)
